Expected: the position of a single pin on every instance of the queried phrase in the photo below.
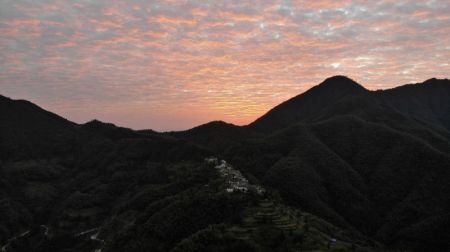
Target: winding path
(8, 243)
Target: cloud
(175, 64)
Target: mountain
(356, 174)
(418, 109)
(29, 131)
(427, 101)
(387, 150)
(217, 136)
(308, 105)
(369, 169)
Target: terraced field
(299, 230)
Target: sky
(172, 65)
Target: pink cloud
(165, 63)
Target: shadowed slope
(308, 105)
(374, 163)
(28, 131)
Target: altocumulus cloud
(174, 64)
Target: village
(235, 180)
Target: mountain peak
(5, 99)
(434, 81)
(308, 104)
(341, 81)
(336, 87)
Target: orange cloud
(320, 4)
(171, 20)
(183, 63)
(238, 17)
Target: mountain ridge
(305, 105)
(372, 163)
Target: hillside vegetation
(337, 168)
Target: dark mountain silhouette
(218, 135)
(28, 131)
(354, 173)
(308, 105)
(425, 117)
(370, 168)
(427, 101)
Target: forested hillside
(337, 168)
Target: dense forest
(337, 168)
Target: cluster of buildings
(236, 182)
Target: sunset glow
(170, 65)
